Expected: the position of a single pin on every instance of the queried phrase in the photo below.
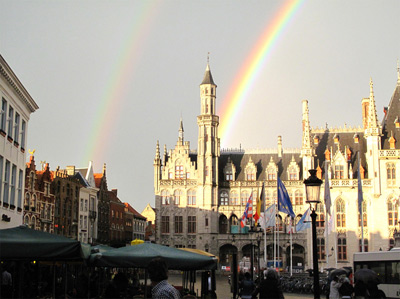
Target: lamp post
(258, 254)
(313, 186)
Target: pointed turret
(307, 151)
(208, 79)
(104, 169)
(372, 117)
(157, 158)
(157, 168)
(181, 131)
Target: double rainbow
(114, 95)
(251, 68)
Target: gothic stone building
(200, 195)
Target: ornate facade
(200, 195)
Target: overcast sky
(113, 77)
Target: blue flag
(284, 203)
(360, 192)
(304, 222)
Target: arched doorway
(223, 224)
(271, 256)
(225, 256)
(297, 257)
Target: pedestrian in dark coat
(269, 287)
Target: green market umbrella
(23, 243)
(139, 256)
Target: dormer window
(397, 122)
(229, 171)
(356, 138)
(336, 138)
(251, 171)
(339, 172)
(316, 140)
(392, 142)
(271, 171)
(293, 170)
(229, 176)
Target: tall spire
(306, 127)
(157, 151)
(104, 169)
(372, 117)
(181, 131)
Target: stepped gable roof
(346, 138)
(261, 161)
(393, 113)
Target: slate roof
(345, 139)
(261, 161)
(393, 112)
(208, 79)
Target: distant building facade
(16, 108)
(39, 202)
(117, 220)
(200, 195)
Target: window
(393, 208)
(229, 176)
(3, 116)
(321, 249)
(164, 197)
(365, 245)
(6, 182)
(293, 174)
(224, 198)
(298, 197)
(178, 224)
(391, 243)
(243, 198)
(191, 198)
(206, 171)
(10, 121)
(342, 249)
(179, 173)
(23, 126)
(340, 214)
(12, 185)
(391, 174)
(339, 172)
(251, 176)
(191, 224)
(271, 174)
(165, 224)
(234, 199)
(364, 214)
(177, 197)
(16, 128)
(206, 222)
(20, 178)
(320, 216)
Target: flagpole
(327, 240)
(360, 201)
(291, 243)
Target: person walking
(158, 273)
(247, 287)
(334, 288)
(269, 287)
(346, 289)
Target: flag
(304, 222)
(269, 216)
(360, 192)
(260, 202)
(284, 203)
(246, 210)
(331, 223)
(327, 195)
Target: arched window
(165, 200)
(340, 213)
(223, 198)
(391, 174)
(298, 197)
(234, 199)
(364, 214)
(342, 249)
(339, 172)
(191, 200)
(26, 220)
(177, 197)
(393, 216)
(33, 202)
(33, 222)
(27, 200)
(279, 223)
(223, 224)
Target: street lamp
(313, 186)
